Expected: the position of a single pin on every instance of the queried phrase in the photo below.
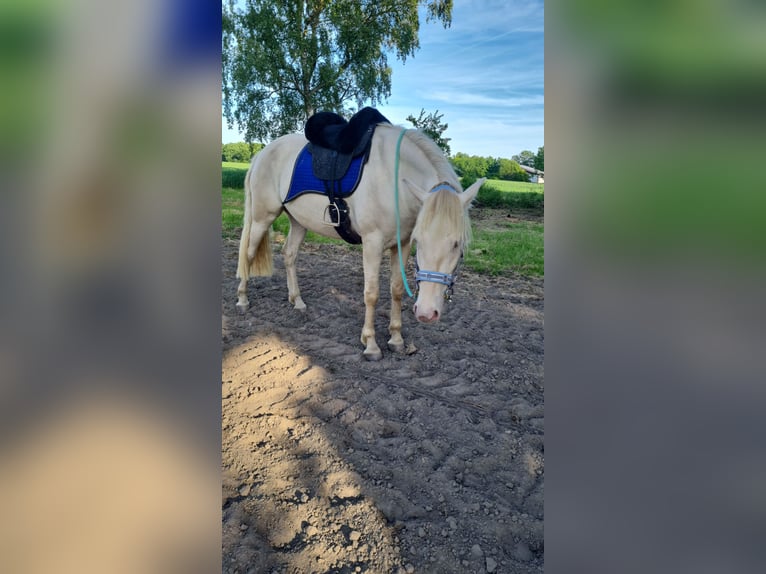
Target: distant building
(535, 175)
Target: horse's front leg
(396, 343)
(371, 256)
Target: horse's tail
(262, 261)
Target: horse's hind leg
(255, 257)
(290, 253)
(242, 302)
(396, 343)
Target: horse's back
(279, 154)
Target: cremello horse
(432, 211)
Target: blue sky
(484, 73)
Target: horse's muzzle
(425, 315)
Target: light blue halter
(447, 279)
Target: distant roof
(532, 170)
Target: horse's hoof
(242, 308)
(396, 347)
(373, 356)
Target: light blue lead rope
(398, 224)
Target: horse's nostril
(436, 315)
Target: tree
(510, 170)
(431, 125)
(540, 159)
(283, 60)
(239, 151)
(471, 165)
(526, 158)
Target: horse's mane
(442, 212)
(435, 155)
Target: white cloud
(462, 98)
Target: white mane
(436, 156)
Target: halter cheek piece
(447, 279)
(437, 277)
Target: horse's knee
(371, 297)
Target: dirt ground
(431, 461)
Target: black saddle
(335, 141)
(331, 131)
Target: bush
(468, 180)
(493, 168)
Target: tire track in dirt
(431, 462)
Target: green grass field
(515, 247)
(516, 186)
(232, 211)
(512, 195)
(518, 248)
(233, 174)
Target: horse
(431, 210)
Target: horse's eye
(455, 246)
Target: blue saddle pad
(304, 180)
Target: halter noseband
(438, 277)
(447, 279)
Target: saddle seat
(334, 142)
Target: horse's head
(442, 231)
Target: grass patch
(233, 175)
(518, 248)
(516, 186)
(232, 211)
(511, 195)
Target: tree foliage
(430, 124)
(283, 60)
(525, 157)
(472, 167)
(239, 151)
(509, 170)
(540, 159)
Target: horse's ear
(417, 191)
(469, 194)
